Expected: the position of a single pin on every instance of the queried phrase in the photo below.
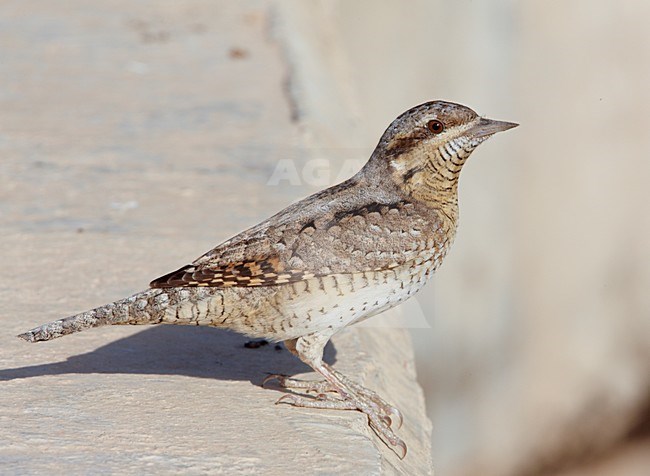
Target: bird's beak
(486, 127)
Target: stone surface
(134, 137)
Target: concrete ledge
(184, 399)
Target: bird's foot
(307, 386)
(349, 395)
(389, 413)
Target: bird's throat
(431, 182)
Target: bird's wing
(314, 238)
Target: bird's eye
(435, 127)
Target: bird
(330, 260)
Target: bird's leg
(321, 387)
(351, 395)
(390, 413)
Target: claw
(287, 398)
(396, 416)
(387, 436)
(401, 446)
(270, 377)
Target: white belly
(328, 304)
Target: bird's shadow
(177, 350)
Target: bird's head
(425, 148)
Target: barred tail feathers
(142, 308)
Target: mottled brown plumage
(330, 260)
(298, 244)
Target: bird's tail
(143, 308)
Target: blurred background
(536, 355)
